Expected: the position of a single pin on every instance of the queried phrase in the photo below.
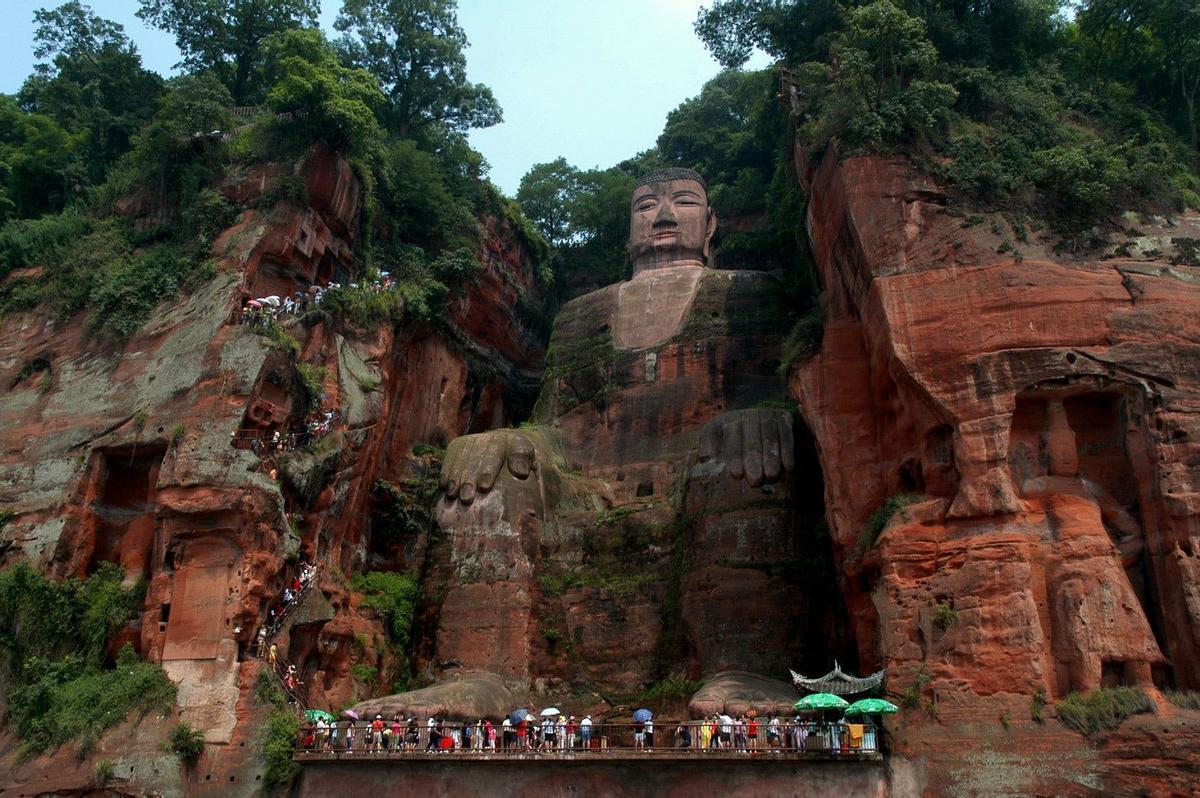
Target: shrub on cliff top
(1102, 710)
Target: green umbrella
(872, 706)
(313, 715)
(821, 701)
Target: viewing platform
(584, 757)
(623, 773)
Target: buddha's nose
(665, 216)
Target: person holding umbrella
(640, 719)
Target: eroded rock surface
(1041, 408)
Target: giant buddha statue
(658, 514)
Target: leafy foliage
(1011, 103)
(39, 163)
(325, 100)
(187, 743)
(394, 596)
(225, 39)
(880, 518)
(279, 746)
(1102, 710)
(944, 616)
(404, 511)
(91, 81)
(267, 691)
(52, 641)
(415, 50)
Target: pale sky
(591, 80)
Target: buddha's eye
(646, 204)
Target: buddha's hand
(474, 462)
(756, 444)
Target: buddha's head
(670, 223)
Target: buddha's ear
(708, 236)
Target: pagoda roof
(839, 682)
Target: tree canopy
(415, 49)
(90, 81)
(226, 37)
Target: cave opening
(125, 491)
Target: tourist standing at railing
(572, 730)
(585, 731)
(412, 734)
(432, 738)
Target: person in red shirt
(752, 733)
(522, 731)
(377, 733)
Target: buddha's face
(670, 224)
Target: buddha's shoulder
(593, 308)
(740, 280)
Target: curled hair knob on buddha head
(670, 173)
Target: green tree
(225, 37)
(174, 156)
(91, 81)
(546, 193)
(878, 88)
(329, 101)
(790, 30)
(729, 133)
(1177, 25)
(1154, 45)
(42, 170)
(415, 49)
(588, 213)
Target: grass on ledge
(1102, 710)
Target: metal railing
(686, 738)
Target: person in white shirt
(585, 731)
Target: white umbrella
(272, 300)
(549, 711)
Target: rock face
(1028, 423)
(1044, 413)
(142, 456)
(617, 542)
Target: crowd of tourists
(565, 734)
(260, 311)
(317, 425)
(281, 607)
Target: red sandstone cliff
(1043, 408)
(141, 456)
